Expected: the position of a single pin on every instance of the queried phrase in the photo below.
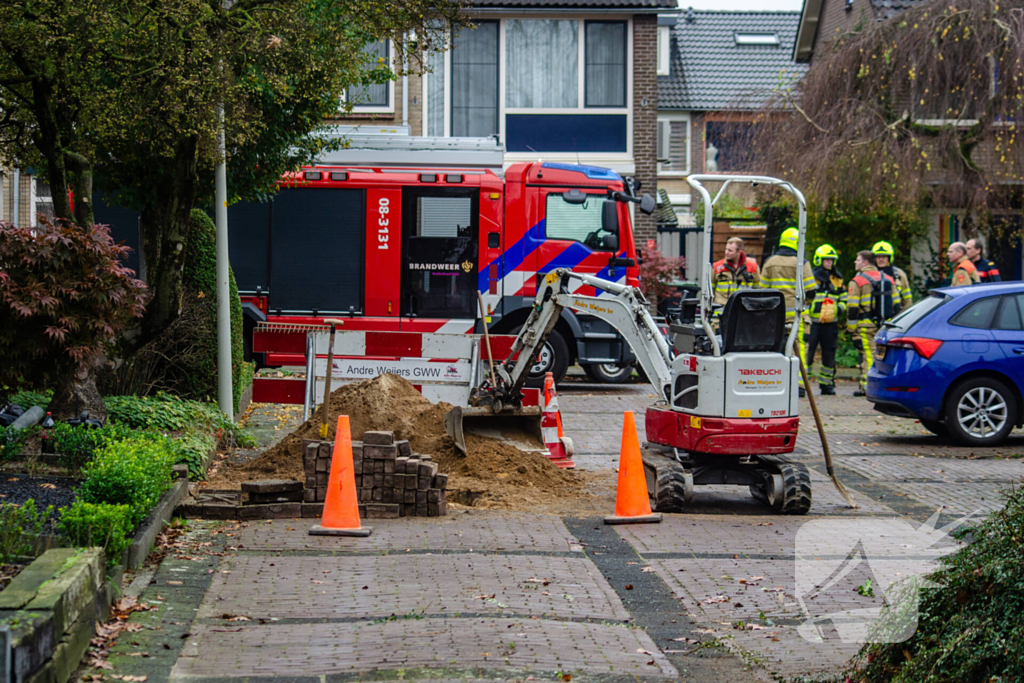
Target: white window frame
(664, 50)
(35, 199)
(374, 109)
(580, 108)
(669, 117)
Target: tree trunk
(82, 168)
(78, 392)
(164, 231)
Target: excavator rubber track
(786, 489)
(791, 479)
(669, 483)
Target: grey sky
(744, 5)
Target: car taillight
(925, 348)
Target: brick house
(822, 21)
(722, 67)
(555, 80)
(23, 197)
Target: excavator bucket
(519, 427)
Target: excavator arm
(626, 310)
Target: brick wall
(645, 116)
(836, 20)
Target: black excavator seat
(754, 320)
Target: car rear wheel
(935, 427)
(609, 373)
(981, 412)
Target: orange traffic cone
(632, 505)
(341, 508)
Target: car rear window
(978, 314)
(905, 320)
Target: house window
(373, 97)
(474, 88)
(664, 49)
(541, 64)
(606, 64)
(673, 144)
(42, 201)
(728, 146)
(742, 38)
(544, 85)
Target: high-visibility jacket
(729, 278)
(860, 306)
(903, 296)
(987, 271)
(829, 289)
(779, 273)
(965, 274)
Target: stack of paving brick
(391, 480)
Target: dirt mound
(494, 474)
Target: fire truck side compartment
(317, 251)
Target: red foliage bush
(64, 295)
(656, 271)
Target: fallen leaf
(48, 486)
(647, 569)
(629, 586)
(566, 677)
(175, 583)
(715, 599)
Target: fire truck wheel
(609, 373)
(553, 358)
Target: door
(1008, 331)
(439, 256)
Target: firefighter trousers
(827, 335)
(863, 338)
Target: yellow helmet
(790, 237)
(883, 249)
(823, 252)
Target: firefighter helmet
(823, 252)
(790, 237)
(883, 249)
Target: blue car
(955, 361)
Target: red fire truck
(408, 249)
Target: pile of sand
(495, 474)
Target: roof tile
(711, 72)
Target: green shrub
(91, 525)
(133, 471)
(199, 282)
(969, 627)
(168, 413)
(11, 442)
(75, 446)
(20, 526)
(192, 450)
(27, 399)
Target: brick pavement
(453, 598)
(471, 531)
(499, 645)
(380, 586)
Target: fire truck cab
(409, 249)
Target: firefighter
(884, 253)
(964, 272)
(987, 271)
(780, 272)
(735, 272)
(866, 308)
(828, 304)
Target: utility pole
(225, 397)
